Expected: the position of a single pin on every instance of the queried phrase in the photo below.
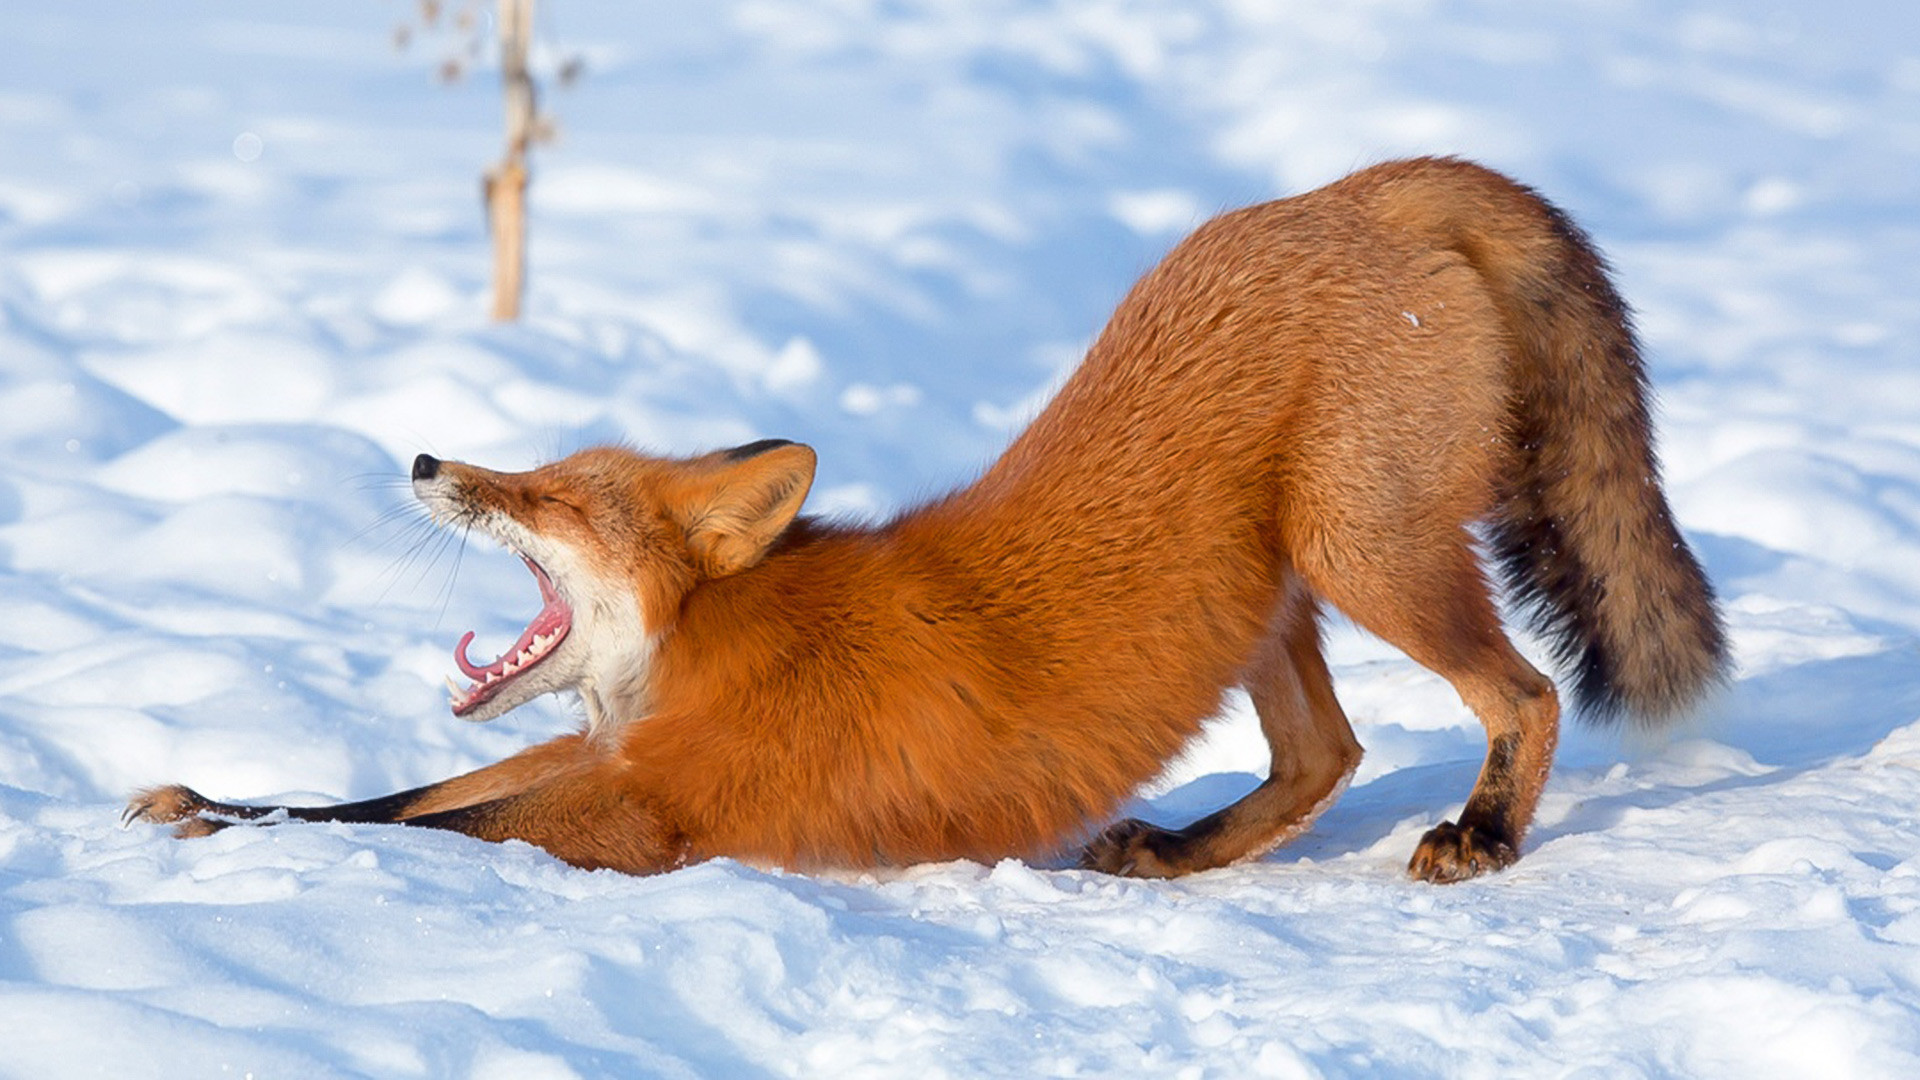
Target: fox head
(615, 540)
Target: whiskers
(419, 543)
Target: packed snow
(243, 282)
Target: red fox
(1339, 399)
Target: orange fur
(1307, 402)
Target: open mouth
(537, 642)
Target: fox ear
(746, 502)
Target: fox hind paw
(1131, 848)
(1450, 853)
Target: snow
(242, 283)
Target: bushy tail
(1584, 532)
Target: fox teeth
(536, 649)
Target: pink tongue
(467, 667)
(555, 618)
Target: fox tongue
(555, 617)
(537, 641)
(467, 667)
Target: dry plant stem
(506, 183)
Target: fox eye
(559, 503)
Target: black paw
(1133, 848)
(1450, 853)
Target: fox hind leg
(1521, 713)
(1435, 606)
(1314, 754)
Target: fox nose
(425, 467)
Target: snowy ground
(241, 282)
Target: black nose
(425, 467)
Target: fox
(1384, 397)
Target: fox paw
(1450, 853)
(176, 805)
(164, 805)
(1133, 848)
